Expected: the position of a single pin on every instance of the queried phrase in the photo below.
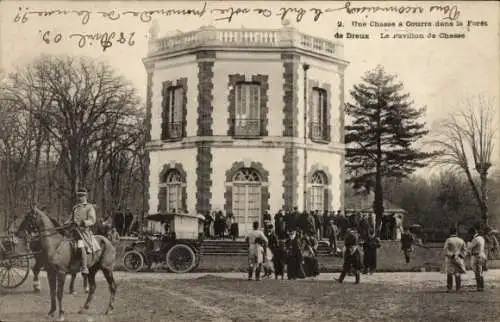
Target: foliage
(441, 201)
(380, 140)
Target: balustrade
(263, 38)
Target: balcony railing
(247, 127)
(319, 131)
(245, 38)
(172, 130)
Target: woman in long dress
(311, 267)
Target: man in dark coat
(294, 219)
(318, 225)
(266, 218)
(352, 257)
(370, 246)
(279, 226)
(279, 260)
(407, 241)
(326, 220)
(294, 257)
(209, 219)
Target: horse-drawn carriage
(14, 265)
(173, 239)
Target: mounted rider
(83, 217)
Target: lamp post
(305, 67)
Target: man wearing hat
(478, 256)
(454, 266)
(83, 217)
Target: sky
(438, 73)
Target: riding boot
(257, 273)
(481, 283)
(250, 272)
(85, 269)
(478, 282)
(357, 276)
(449, 282)
(458, 282)
(342, 276)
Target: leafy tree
(380, 140)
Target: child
(279, 260)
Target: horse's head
(29, 225)
(35, 221)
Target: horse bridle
(34, 229)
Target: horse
(35, 247)
(59, 257)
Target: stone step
(229, 247)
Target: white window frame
(175, 104)
(173, 181)
(247, 107)
(250, 188)
(317, 186)
(319, 113)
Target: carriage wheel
(197, 263)
(14, 271)
(133, 261)
(181, 259)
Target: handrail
(245, 38)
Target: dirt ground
(230, 297)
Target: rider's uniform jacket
(84, 215)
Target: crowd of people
(218, 225)
(296, 247)
(269, 254)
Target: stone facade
(229, 158)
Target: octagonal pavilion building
(245, 121)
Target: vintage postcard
(249, 160)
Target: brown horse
(59, 258)
(35, 247)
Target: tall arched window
(247, 196)
(172, 184)
(319, 184)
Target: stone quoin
(231, 127)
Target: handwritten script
(103, 39)
(228, 14)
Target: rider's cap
(81, 192)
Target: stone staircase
(240, 247)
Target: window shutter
(326, 121)
(162, 199)
(325, 200)
(167, 107)
(311, 110)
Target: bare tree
(466, 140)
(83, 106)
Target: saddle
(76, 255)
